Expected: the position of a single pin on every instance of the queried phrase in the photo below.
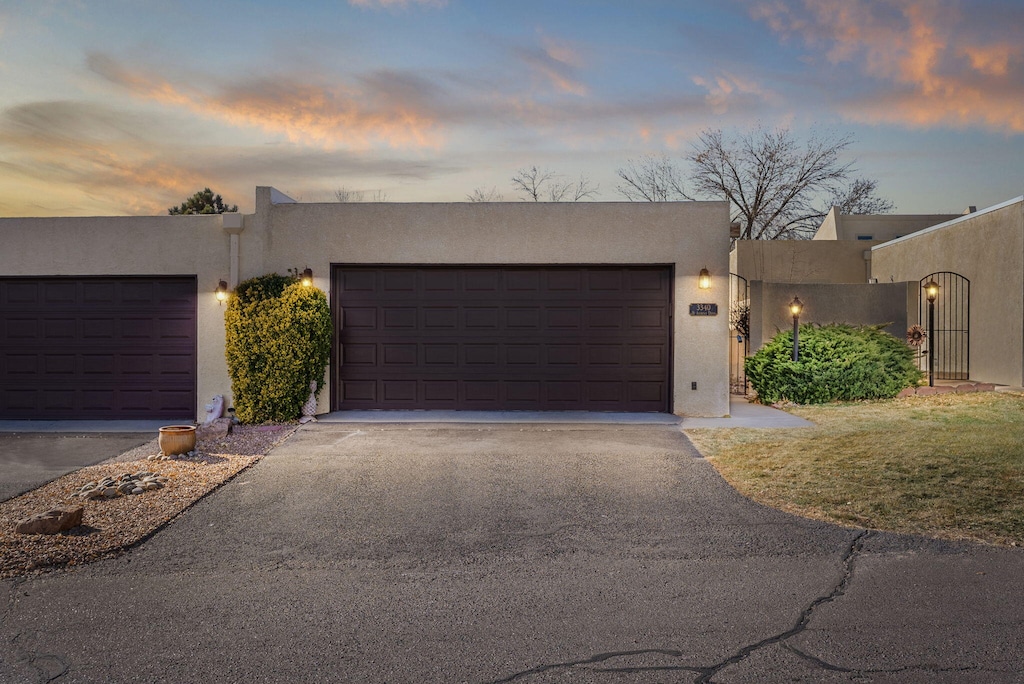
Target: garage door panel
(441, 318)
(440, 281)
(399, 318)
(444, 355)
(115, 347)
(481, 318)
(399, 354)
(564, 318)
(359, 391)
(538, 338)
(400, 281)
(99, 328)
(519, 282)
(360, 317)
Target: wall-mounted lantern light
(931, 292)
(307, 277)
(795, 307)
(704, 279)
(222, 291)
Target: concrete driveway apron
(512, 553)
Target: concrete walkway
(742, 414)
(512, 553)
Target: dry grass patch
(949, 466)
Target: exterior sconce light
(222, 291)
(795, 307)
(704, 279)
(931, 293)
(307, 277)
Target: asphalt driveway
(31, 459)
(499, 553)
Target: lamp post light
(795, 307)
(931, 291)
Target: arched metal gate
(952, 330)
(739, 332)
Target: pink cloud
(931, 63)
(386, 108)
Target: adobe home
(498, 306)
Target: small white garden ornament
(309, 408)
(214, 410)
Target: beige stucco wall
(141, 246)
(881, 227)
(986, 247)
(687, 235)
(825, 303)
(801, 261)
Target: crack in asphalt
(602, 657)
(49, 667)
(706, 673)
(852, 551)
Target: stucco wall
(987, 248)
(827, 303)
(688, 235)
(800, 261)
(140, 246)
(881, 227)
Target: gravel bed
(112, 525)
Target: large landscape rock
(215, 430)
(51, 522)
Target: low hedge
(838, 362)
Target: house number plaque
(703, 309)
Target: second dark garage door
(97, 347)
(594, 338)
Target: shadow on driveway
(30, 460)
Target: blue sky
(127, 107)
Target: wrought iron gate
(739, 332)
(952, 331)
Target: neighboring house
(876, 227)
(870, 269)
(580, 306)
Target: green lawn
(948, 466)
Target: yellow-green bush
(278, 341)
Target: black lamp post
(795, 307)
(931, 291)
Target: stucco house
(870, 269)
(575, 306)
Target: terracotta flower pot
(177, 439)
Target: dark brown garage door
(594, 338)
(98, 347)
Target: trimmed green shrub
(838, 362)
(278, 341)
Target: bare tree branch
(343, 194)
(775, 183)
(541, 185)
(859, 198)
(651, 178)
(482, 195)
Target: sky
(125, 107)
